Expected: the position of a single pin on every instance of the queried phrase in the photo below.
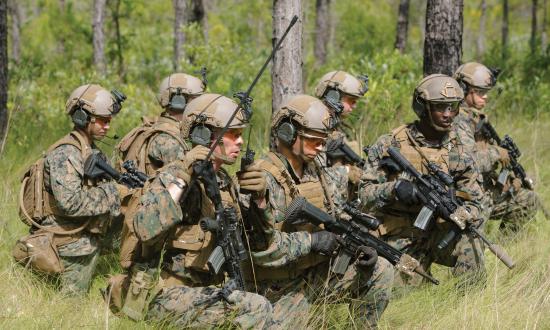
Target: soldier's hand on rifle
(91, 170)
(504, 156)
(367, 257)
(253, 179)
(324, 242)
(406, 192)
(461, 216)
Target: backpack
(135, 145)
(35, 202)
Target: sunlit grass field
(512, 299)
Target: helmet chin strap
(223, 155)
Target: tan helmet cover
(342, 81)
(189, 85)
(309, 112)
(213, 110)
(436, 88)
(476, 75)
(93, 98)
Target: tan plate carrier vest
(418, 156)
(316, 194)
(36, 203)
(135, 145)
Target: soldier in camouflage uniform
(513, 203)
(170, 235)
(157, 143)
(340, 92)
(78, 210)
(291, 262)
(393, 198)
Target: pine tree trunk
(99, 35)
(286, 72)
(15, 13)
(198, 14)
(322, 31)
(504, 41)
(481, 32)
(533, 39)
(4, 115)
(402, 26)
(115, 13)
(443, 42)
(179, 35)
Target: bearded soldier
(340, 92)
(393, 196)
(291, 263)
(157, 143)
(511, 202)
(75, 208)
(166, 223)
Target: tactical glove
(323, 242)
(367, 257)
(91, 168)
(253, 179)
(504, 157)
(196, 154)
(461, 216)
(406, 192)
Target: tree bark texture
(99, 35)
(15, 13)
(533, 39)
(286, 72)
(481, 32)
(179, 35)
(504, 40)
(115, 14)
(402, 26)
(4, 115)
(443, 42)
(322, 31)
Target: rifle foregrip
(499, 252)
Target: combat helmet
(210, 111)
(174, 90)
(334, 84)
(477, 75)
(92, 99)
(298, 113)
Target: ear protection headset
(287, 133)
(177, 101)
(200, 133)
(332, 99)
(80, 118)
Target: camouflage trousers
(295, 302)
(465, 255)
(79, 270)
(515, 210)
(176, 305)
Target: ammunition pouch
(38, 251)
(142, 288)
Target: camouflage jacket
(276, 245)
(376, 189)
(163, 148)
(165, 225)
(484, 150)
(78, 199)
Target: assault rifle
(96, 166)
(337, 148)
(230, 250)
(352, 235)
(438, 198)
(513, 151)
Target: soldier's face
(443, 114)
(349, 102)
(98, 127)
(476, 98)
(232, 142)
(309, 144)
